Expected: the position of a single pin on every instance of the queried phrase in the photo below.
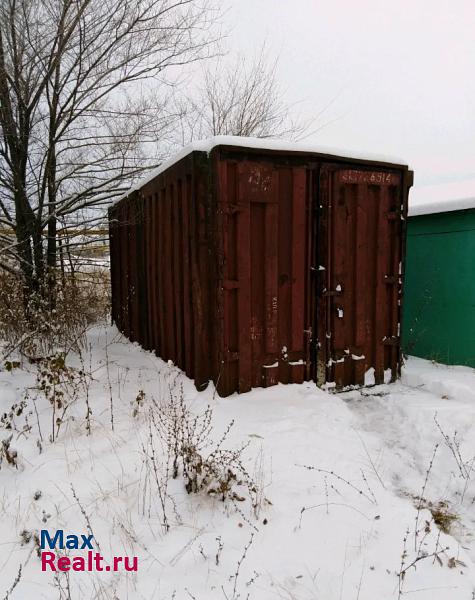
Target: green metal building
(439, 288)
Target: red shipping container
(249, 265)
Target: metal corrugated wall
(251, 269)
(263, 238)
(159, 267)
(439, 310)
(361, 258)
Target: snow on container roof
(444, 197)
(264, 144)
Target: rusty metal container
(248, 266)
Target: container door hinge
(390, 341)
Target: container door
(360, 276)
(265, 218)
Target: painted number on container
(371, 177)
(260, 180)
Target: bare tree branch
(84, 106)
(241, 98)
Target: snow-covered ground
(384, 463)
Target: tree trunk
(51, 260)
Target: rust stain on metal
(251, 267)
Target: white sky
(400, 75)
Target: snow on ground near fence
(332, 532)
(443, 197)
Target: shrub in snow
(8, 419)
(39, 325)
(62, 385)
(7, 453)
(190, 453)
(205, 465)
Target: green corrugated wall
(439, 290)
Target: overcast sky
(399, 76)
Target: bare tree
(79, 107)
(242, 98)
